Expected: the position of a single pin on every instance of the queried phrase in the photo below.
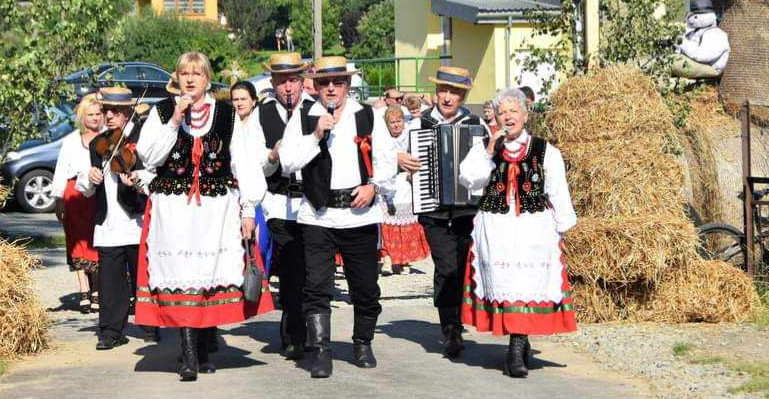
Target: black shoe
(151, 334)
(515, 363)
(212, 339)
(94, 303)
(293, 351)
(107, 343)
(319, 334)
(453, 343)
(189, 368)
(362, 355)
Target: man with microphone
(346, 158)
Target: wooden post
(317, 29)
(592, 32)
(747, 187)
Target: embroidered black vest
(316, 175)
(274, 128)
(530, 184)
(175, 176)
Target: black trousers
(115, 287)
(288, 251)
(449, 241)
(358, 246)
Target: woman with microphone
(201, 209)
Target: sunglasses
(398, 99)
(327, 82)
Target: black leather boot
(212, 339)
(452, 341)
(189, 368)
(515, 363)
(205, 365)
(319, 335)
(363, 333)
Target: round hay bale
(745, 75)
(23, 322)
(613, 103)
(629, 250)
(708, 291)
(624, 178)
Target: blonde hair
(81, 109)
(395, 109)
(412, 101)
(196, 61)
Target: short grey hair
(509, 94)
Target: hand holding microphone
(183, 106)
(495, 142)
(326, 122)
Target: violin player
(120, 202)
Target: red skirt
(404, 243)
(532, 318)
(79, 220)
(193, 308)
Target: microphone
(289, 106)
(500, 142)
(330, 109)
(188, 113)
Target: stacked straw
(633, 254)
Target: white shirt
(475, 172)
(118, 228)
(298, 150)
(74, 159)
(275, 206)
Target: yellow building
(484, 36)
(194, 9)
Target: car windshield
(60, 121)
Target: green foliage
(161, 39)
(41, 41)
(376, 32)
(350, 13)
(759, 378)
(252, 20)
(301, 22)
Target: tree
(301, 22)
(350, 14)
(252, 20)
(376, 32)
(41, 41)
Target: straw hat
(173, 85)
(143, 108)
(118, 96)
(331, 66)
(285, 63)
(457, 77)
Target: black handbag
(253, 278)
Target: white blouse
(74, 158)
(297, 150)
(157, 140)
(475, 172)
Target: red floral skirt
(404, 243)
(79, 220)
(532, 318)
(193, 308)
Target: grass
(707, 360)
(3, 368)
(759, 378)
(682, 348)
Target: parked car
(359, 88)
(29, 169)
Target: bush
(376, 32)
(301, 22)
(161, 39)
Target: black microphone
(500, 142)
(289, 106)
(330, 109)
(188, 115)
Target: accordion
(435, 186)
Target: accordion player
(440, 150)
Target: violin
(112, 147)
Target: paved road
(30, 224)
(406, 344)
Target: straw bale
(23, 322)
(624, 178)
(629, 250)
(709, 291)
(593, 304)
(611, 104)
(3, 193)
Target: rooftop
(490, 11)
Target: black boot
(452, 341)
(363, 333)
(189, 368)
(515, 361)
(319, 334)
(212, 339)
(285, 339)
(205, 366)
